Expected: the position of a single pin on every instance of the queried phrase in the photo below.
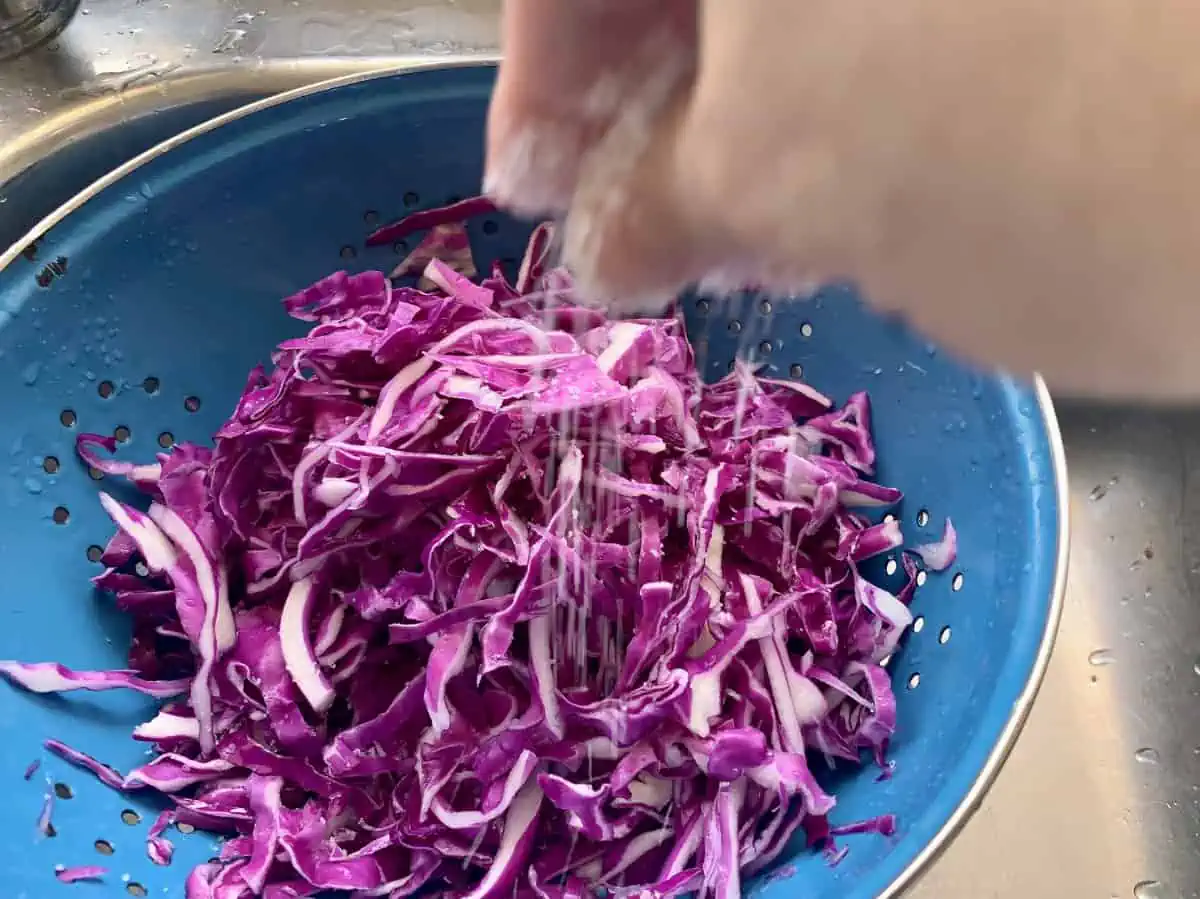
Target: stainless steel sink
(1102, 795)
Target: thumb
(629, 238)
(672, 197)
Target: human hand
(1018, 177)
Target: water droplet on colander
(1101, 657)
(1147, 756)
(1196, 667)
(29, 374)
(146, 190)
(1149, 889)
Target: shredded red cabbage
(482, 594)
(81, 872)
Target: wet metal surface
(1101, 797)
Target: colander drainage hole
(957, 583)
(766, 347)
(412, 198)
(806, 329)
(400, 248)
(348, 252)
(797, 370)
(914, 680)
(105, 389)
(136, 889)
(735, 326)
(151, 385)
(490, 227)
(166, 439)
(922, 577)
(122, 433)
(891, 566)
(141, 570)
(923, 518)
(918, 624)
(192, 404)
(104, 847)
(130, 817)
(67, 418)
(61, 515)
(95, 474)
(765, 307)
(944, 636)
(62, 791)
(50, 465)
(184, 827)
(94, 553)
(371, 217)
(702, 307)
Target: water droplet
(1148, 756)
(229, 41)
(1196, 667)
(1101, 490)
(1100, 657)
(33, 486)
(1149, 889)
(29, 374)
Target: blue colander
(142, 304)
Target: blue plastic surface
(175, 272)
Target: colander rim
(973, 798)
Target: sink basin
(101, 128)
(1102, 794)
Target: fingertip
(531, 168)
